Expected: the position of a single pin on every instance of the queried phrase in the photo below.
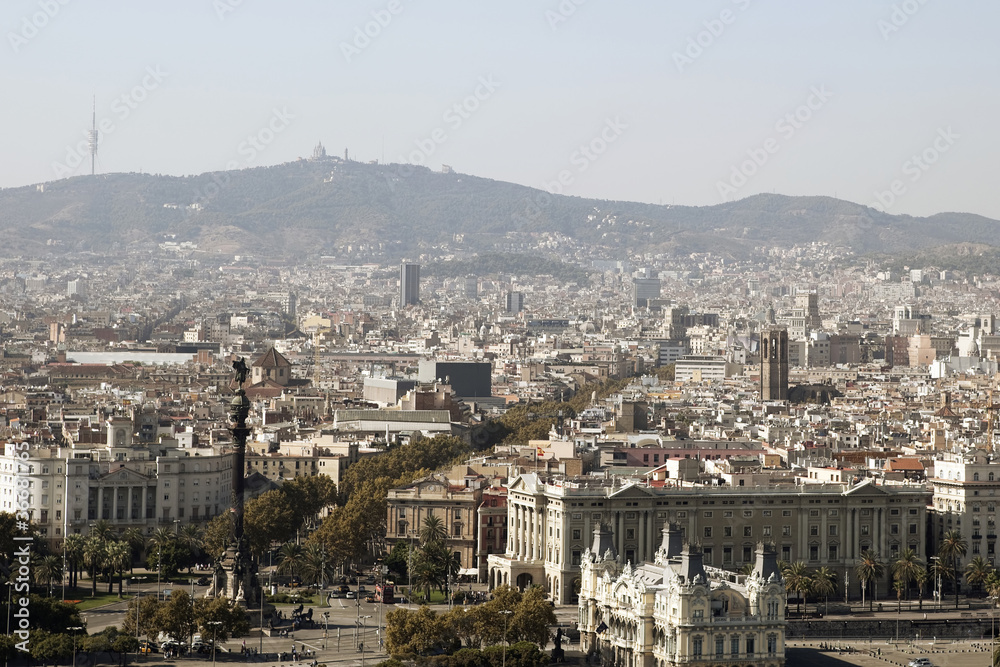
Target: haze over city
(692, 90)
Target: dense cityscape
(507, 432)
(451, 334)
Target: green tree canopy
(268, 518)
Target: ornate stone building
(676, 611)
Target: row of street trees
(909, 569)
(511, 616)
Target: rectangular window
(747, 531)
(833, 552)
(708, 531)
(576, 533)
(696, 647)
(747, 554)
(727, 531)
(814, 552)
(814, 530)
(833, 530)
(720, 646)
(786, 531)
(727, 555)
(767, 531)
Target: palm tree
(136, 541)
(921, 577)
(119, 559)
(869, 569)
(953, 548)
(747, 569)
(315, 565)
(73, 546)
(48, 568)
(103, 530)
(797, 579)
(899, 585)
(190, 537)
(289, 558)
(824, 582)
(161, 538)
(94, 555)
(433, 530)
(905, 567)
(977, 572)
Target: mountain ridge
(309, 207)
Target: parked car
(920, 662)
(171, 645)
(146, 646)
(202, 581)
(351, 595)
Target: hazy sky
(682, 101)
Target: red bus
(384, 593)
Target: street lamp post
(361, 643)
(506, 615)
(937, 581)
(74, 630)
(326, 627)
(215, 635)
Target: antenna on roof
(92, 138)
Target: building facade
(550, 518)
(129, 485)
(455, 504)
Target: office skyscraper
(409, 284)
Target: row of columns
(528, 526)
(132, 490)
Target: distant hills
(322, 207)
